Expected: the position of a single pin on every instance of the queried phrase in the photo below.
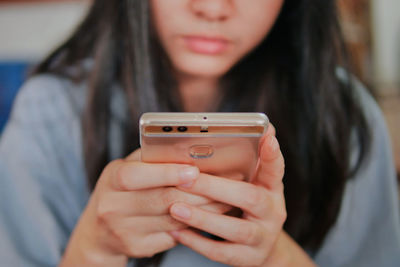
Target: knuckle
(141, 253)
(141, 248)
(109, 170)
(268, 202)
(120, 180)
(111, 165)
(136, 251)
(134, 248)
(122, 176)
(174, 224)
(254, 197)
(226, 256)
(114, 165)
(104, 213)
(277, 172)
(232, 260)
(282, 216)
(247, 234)
(169, 196)
(258, 260)
(279, 209)
(220, 255)
(119, 236)
(117, 162)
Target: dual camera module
(182, 129)
(168, 129)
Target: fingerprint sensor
(201, 151)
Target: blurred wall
(29, 31)
(386, 45)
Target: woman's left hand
(251, 240)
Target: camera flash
(204, 129)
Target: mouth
(209, 45)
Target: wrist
(286, 252)
(81, 253)
(85, 248)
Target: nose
(212, 10)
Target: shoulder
(47, 98)
(368, 105)
(42, 171)
(367, 231)
(379, 156)
(363, 98)
(42, 140)
(379, 139)
(44, 132)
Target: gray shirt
(43, 187)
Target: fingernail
(273, 143)
(188, 175)
(181, 211)
(187, 185)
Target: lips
(206, 45)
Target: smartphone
(222, 144)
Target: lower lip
(206, 46)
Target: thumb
(271, 167)
(135, 155)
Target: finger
(135, 155)
(215, 207)
(219, 251)
(230, 228)
(271, 130)
(253, 199)
(271, 166)
(149, 245)
(149, 224)
(148, 202)
(130, 175)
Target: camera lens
(167, 129)
(182, 129)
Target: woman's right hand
(128, 213)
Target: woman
(75, 193)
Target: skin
(254, 239)
(244, 24)
(139, 209)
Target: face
(206, 38)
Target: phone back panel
(232, 154)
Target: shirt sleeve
(367, 232)
(42, 184)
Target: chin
(206, 73)
(209, 69)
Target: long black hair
(291, 76)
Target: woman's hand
(127, 215)
(255, 239)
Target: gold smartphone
(223, 144)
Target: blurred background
(30, 29)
